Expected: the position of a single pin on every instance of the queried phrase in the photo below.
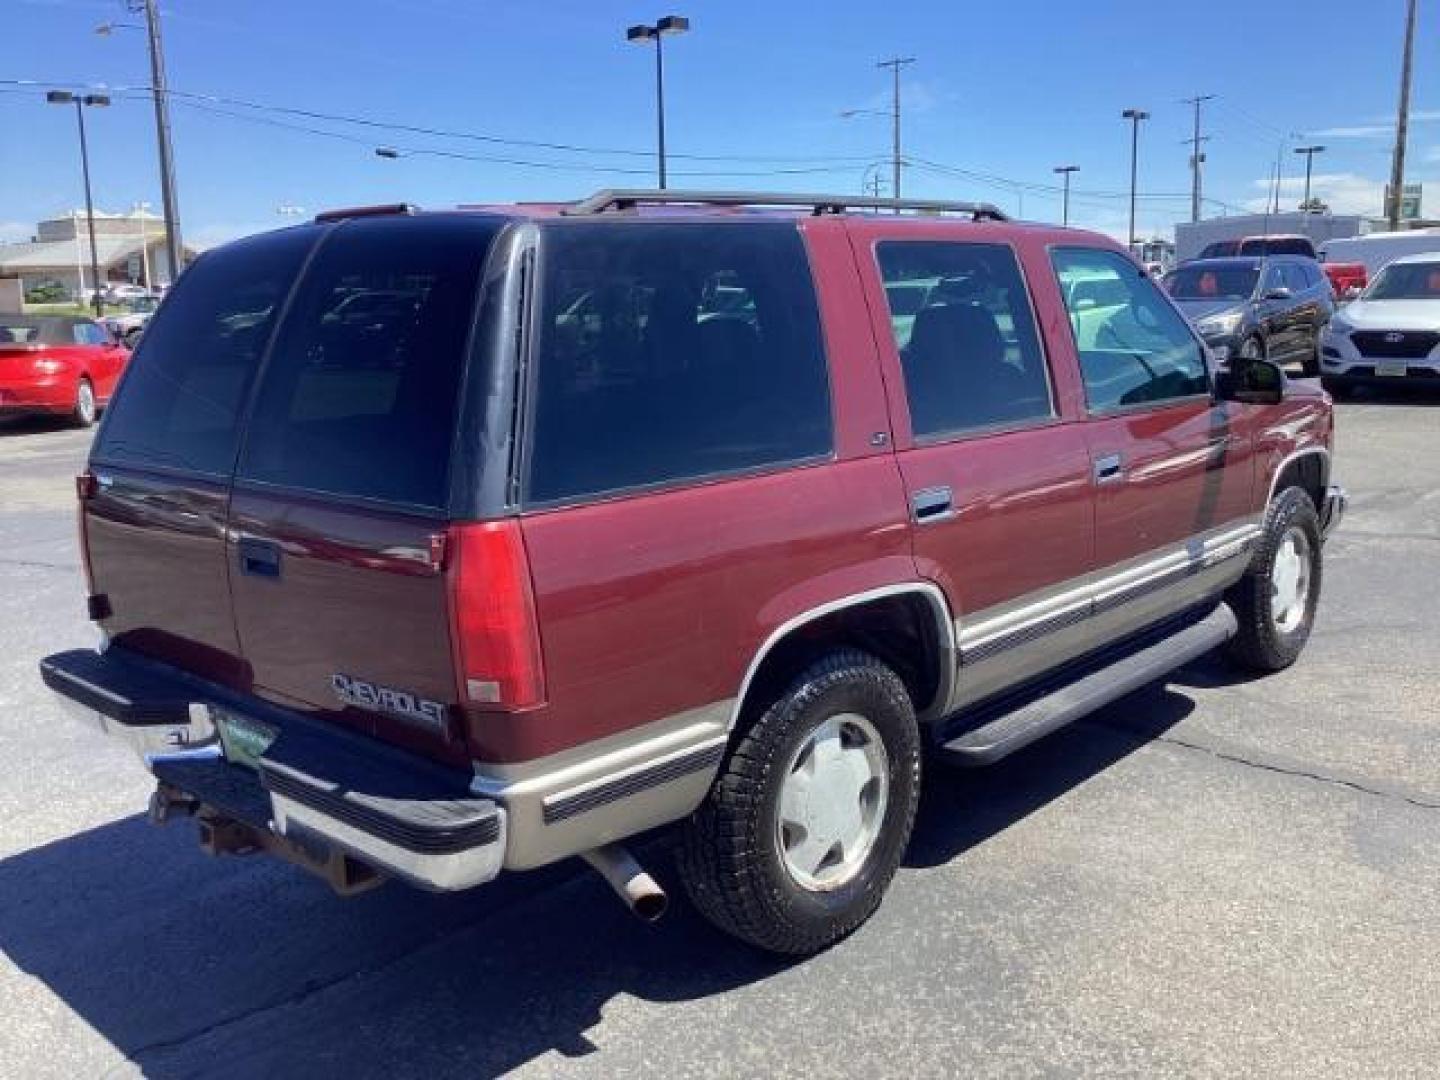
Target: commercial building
(130, 248)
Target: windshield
(1212, 282)
(1407, 281)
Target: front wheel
(807, 822)
(1274, 602)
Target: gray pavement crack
(1274, 767)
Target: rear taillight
(493, 630)
(86, 488)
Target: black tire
(132, 338)
(1310, 363)
(730, 858)
(83, 413)
(1263, 643)
(1339, 389)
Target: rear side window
(360, 392)
(1138, 351)
(970, 352)
(672, 351)
(180, 402)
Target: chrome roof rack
(629, 198)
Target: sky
(998, 95)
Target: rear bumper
(45, 394)
(396, 813)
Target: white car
(118, 294)
(130, 323)
(1391, 333)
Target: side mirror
(1279, 293)
(1258, 382)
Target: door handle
(1109, 469)
(259, 558)
(931, 505)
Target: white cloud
(1374, 127)
(1344, 193)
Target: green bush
(48, 292)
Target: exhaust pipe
(633, 885)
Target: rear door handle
(931, 505)
(1109, 469)
(259, 558)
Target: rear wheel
(1274, 602)
(808, 820)
(83, 412)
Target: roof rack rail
(367, 211)
(628, 198)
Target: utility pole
(1134, 116)
(895, 63)
(1402, 122)
(174, 247)
(1065, 171)
(1275, 189)
(1196, 157)
(1309, 152)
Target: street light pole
(1065, 171)
(81, 102)
(895, 63)
(1134, 116)
(1402, 122)
(1309, 152)
(670, 24)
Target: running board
(1021, 726)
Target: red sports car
(60, 366)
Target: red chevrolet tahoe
(431, 545)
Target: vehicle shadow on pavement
(1373, 394)
(187, 964)
(33, 425)
(961, 808)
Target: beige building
(130, 248)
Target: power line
(560, 166)
(471, 136)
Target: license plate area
(243, 740)
(1391, 368)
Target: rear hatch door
(342, 490)
(154, 516)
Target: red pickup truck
(429, 545)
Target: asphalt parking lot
(1209, 878)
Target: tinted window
(1137, 352)
(1206, 281)
(970, 353)
(1295, 277)
(668, 351)
(359, 395)
(180, 401)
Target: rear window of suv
(669, 351)
(360, 392)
